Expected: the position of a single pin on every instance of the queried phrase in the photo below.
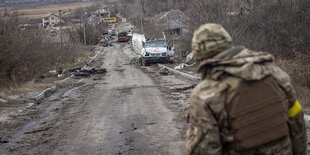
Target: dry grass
(299, 70)
(37, 12)
(28, 54)
(27, 87)
(25, 55)
(31, 86)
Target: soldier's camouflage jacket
(209, 130)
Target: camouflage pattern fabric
(209, 131)
(209, 40)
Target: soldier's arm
(296, 123)
(297, 127)
(203, 134)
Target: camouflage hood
(241, 62)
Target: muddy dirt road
(129, 110)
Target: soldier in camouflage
(245, 103)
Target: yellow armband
(294, 110)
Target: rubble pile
(87, 71)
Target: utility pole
(60, 13)
(142, 3)
(141, 23)
(84, 28)
(84, 36)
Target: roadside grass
(31, 88)
(299, 70)
(28, 54)
(26, 88)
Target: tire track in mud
(37, 122)
(178, 90)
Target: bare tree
(142, 15)
(5, 9)
(142, 4)
(26, 54)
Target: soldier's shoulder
(278, 73)
(281, 76)
(207, 89)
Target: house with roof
(51, 19)
(174, 22)
(103, 13)
(175, 29)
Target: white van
(155, 51)
(137, 42)
(151, 51)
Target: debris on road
(150, 123)
(133, 128)
(105, 43)
(185, 75)
(119, 70)
(3, 101)
(75, 69)
(29, 105)
(40, 79)
(14, 115)
(188, 62)
(38, 130)
(4, 141)
(93, 70)
(112, 32)
(186, 88)
(87, 71)
(60, 75)
(97, 79)
(164, 71)
(183, 65)
(82, 74)
(47, 92)
(189, 58)
(122, 37)
(128, 130)
(52, 73)
(135, 61)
